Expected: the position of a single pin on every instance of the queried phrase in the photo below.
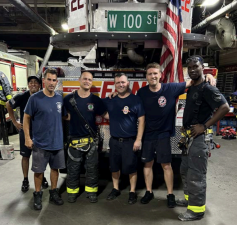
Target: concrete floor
(16, 208)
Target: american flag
(172, 36)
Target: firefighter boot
(72, 197)
(92, 197)
(38, 200)
(182, 202)
(190, 216)
(55, 197)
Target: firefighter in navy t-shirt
(124, 112)
(159, 102)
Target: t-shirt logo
(90, 106)
(59, 106)
(125, 110)
(162, 101)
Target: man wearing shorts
(45, 110)
(20, 101)
(124, 112)
(159, 102)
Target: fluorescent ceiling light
(209, 2)
(65, 26)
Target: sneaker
(190, 216)
(38, 200)
(147, 197)
(113, 194)
(132, 198)
(71, 198)
(182, 202)
(171, 201)
(45, 184)
(25, 186)
(55, 197)
(92, 197)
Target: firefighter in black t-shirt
(202, 100)
(20, 101)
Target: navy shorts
(40, 159)
(161, 149)
(24, 151)
(122, 157)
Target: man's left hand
(197, 130)
(211, 79)
(137, 145)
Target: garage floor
(16, 208)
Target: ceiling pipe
(22, 6)
(214, 16)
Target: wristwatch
(205, 126)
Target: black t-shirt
(20, 100)
(123, 115)
(211, 100)
(89, 108)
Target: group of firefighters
(145, 121)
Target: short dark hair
(153, 65)
(195, 58)
(120, 74)
(86, 72)
(50, 70)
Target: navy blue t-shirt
(123, 115)
(160, 110)
(46, 116)
(89, 108)
(20, 101)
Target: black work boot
(45, 184)
(147, 197)
(55, 197)
(132, 199)
(182, 202)
(38, 200)
(190, 216)
(171, 201)
(71, 198)
(92, 197)
(113, 194)
(25, 186)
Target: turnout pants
(74, 168)
(193, 171)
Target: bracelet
(205, 126)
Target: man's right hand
(113, 94)
(29, 143)
(18, 126)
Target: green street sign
(133, 21)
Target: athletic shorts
(159, 149)
(122, 157)
(24, 151)
(40, 159)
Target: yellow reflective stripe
(72, 191)
(91, 189)
(186, 197)
(9, 97)
(0, 88)
(2, 102)
(77, 145)
(197, 209)
(182, 134)
(209, 131)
